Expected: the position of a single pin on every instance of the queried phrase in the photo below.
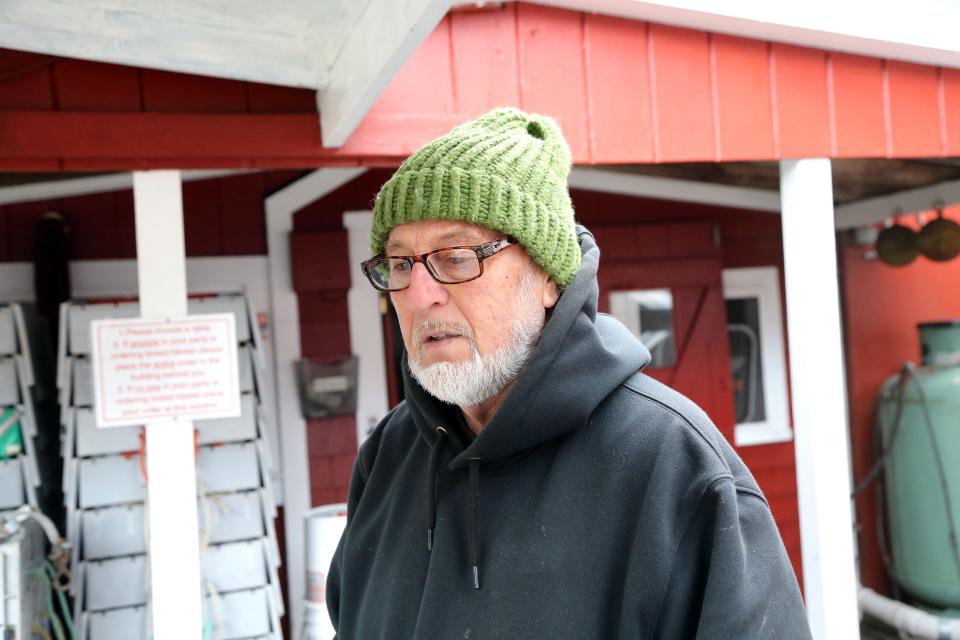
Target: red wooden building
(676, 122)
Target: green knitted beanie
(507, 170)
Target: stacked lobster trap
(106, 495)
(20, 477)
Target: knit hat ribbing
(507, 170)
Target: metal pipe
(916, 622)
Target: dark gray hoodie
(597, 503)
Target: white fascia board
(873, 210)
(95, 184)
(242, 40)
(384, 37)
(638, 186)
(922, 31)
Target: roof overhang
(348, 50)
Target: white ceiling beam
(872, 210)
(241, 40)
(921, 31)
(384, 37)
(640, 186)
(69, 187)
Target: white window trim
(763, 283)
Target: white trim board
(94, 184)
(763, 284)
(384, 38)
(366, 328)
(873, 210)
(639, 186)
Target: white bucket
(324, 526)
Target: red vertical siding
(682, 94)
(201, 217)
(93, 86)
(619, 97)
(552, 77)
(624, 91)
(743, 98)
(92, 219)
(25, 81)
(859, 105)
(914, 109)
(950, 111)
(802, 102)
(424, 84)
(164, 91)
(484, 57)
(21, 225)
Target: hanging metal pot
(897, 244)
(939, 239)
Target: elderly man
(535, 483)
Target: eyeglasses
(450, 265)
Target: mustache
(433, 326)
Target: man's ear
(551, 293)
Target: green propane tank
(923, 558)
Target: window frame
(763, 284)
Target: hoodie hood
(582, 356)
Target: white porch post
(366, 328)
(818, 395)
(172, 479)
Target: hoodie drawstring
(432, 484)
(473, 504)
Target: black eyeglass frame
(483, 251)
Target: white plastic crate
(242, 427)
(118, 530)
(112, 531)
(229, 467)
(88, 440)
(91, 441)
(235, 565)
(108, 480)
(117, 582)
(12, 492)
(81, 377)
(81, 315)
(9, 381)
(114, 624)
(122, 582)
(8, 331)
(244, 614)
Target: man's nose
(424, 291)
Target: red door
(684, 260)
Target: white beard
(482, 377)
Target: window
(757, 360)
(648, 313)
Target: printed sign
(152, 370)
